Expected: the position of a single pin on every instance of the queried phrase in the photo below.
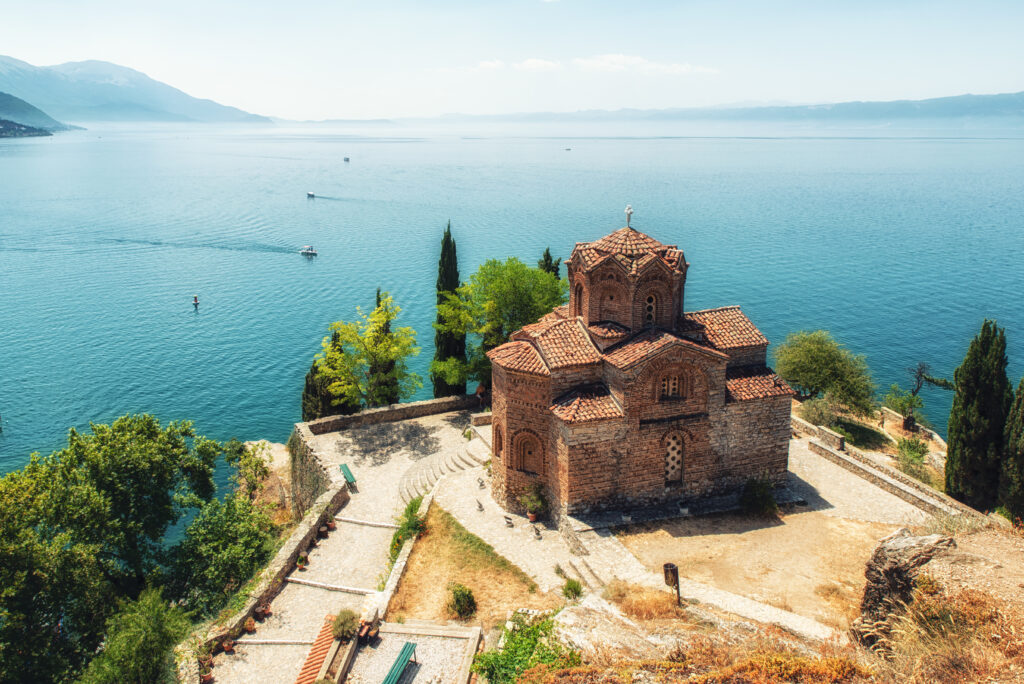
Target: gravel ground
(260, 664)
(438, 659)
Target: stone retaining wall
(270, 582)
(310, 478)
(394, 412)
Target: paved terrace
(348, 564)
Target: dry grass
(961, 636)
(445, 553)
(643, 603)
(844, 600)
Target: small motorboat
(308, 250)
(346, 158)
(310, 195)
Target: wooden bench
(350, 479)
(407, 653)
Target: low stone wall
(479, 419)
(310, 478)
(831, 438)
(270, 582)
(394, 412)
(935, 437)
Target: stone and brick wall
(394, 412)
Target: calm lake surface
(900, 246)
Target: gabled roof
(608, 330)
(561, 343)
(725, 328)
(754, 382)
(630, 249)
(519, 356)
(649, 343)
(584, 404)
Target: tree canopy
(1011, 477)
(500, 298)
(816, 365)
(549, 265)
(981, 403)
(364, 362)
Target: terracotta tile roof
(561, 343)
(317, 653)
(725, 328)
(561, 311)
(754, 382)
(608, 330)
(585, 404)
(630, 248)
(518, 356)
(647, 344)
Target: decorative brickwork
(622, 399)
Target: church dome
(628, 242)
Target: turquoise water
(899, 246)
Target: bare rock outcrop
(602, 634)
(890, 573)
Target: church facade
(622, 398)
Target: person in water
(195, 300)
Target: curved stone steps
(424, 474)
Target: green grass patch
(860, 435)
(475, 552)
(526, 645)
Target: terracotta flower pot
(206, 677)
(331, 525)
(532, 517)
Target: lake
(899, 245)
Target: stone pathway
(353, 556)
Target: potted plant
(205, 674)
(228, 645)
(250, 625)
(332, 524)
(302, 561)
(533, 502)
(265, 610)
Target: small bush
(526, 645)
(409, 525)
(572, 589)
(818, 412)
(346, 624)
(758, 499)
(643, 603)
(461, 602)
(910, 455)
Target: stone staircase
(420, 478)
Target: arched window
(674, 458)
(499, 445)
(672, 387)
(577, 301)
(529, 454)
(650, 310)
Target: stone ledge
(392, 413)
(483, 418)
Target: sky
(391, 58)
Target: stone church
(622, 398)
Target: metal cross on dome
(629, 214)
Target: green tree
(815, 364)
(549, 265)
(145, 478)
(139, 647)
(904, 402)
(225, 543)
(251, 465)
(977, 420)
(447, 345)
(357, 367)
(1011, 479)
(317, 400)
(500, 298)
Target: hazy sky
(348, 59)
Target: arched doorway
(674, 458)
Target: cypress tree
(1011, 480)
(448, 345)
(549, 265)
(385, 370)
(977, 420)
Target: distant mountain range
(101, 91)
(14, 109)
(11, 129)
(1006, 106)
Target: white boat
(308, 250)
(310, 195)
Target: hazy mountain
(973, 107)
(14, 109)
(101, 91)
(12, 129)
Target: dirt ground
(809, 562)
(276, 492)
(989, 560)
(446, 553)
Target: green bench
(350, 479)
(407, 653)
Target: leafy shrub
(526, 645)
(345, 626)
(572, 589)
(461, 602)
(758, 498)
(533, 499)
(409, 525)
(910, 454)
(818, 412)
